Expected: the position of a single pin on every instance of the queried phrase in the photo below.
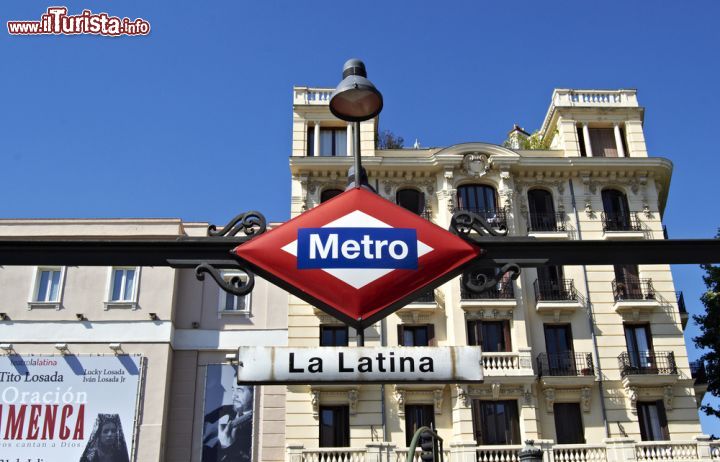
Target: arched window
(542, 211)
(411, 199)
(616, 215)
(329, 194)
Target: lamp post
(356, 99)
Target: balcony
(547, 225)
(500, 297)
(496, 218)
(634, 295)
(509, 366)
(681, 308)
(698, 373)
(647, 368)
(619, 225)
(566, 369)
(556, 296)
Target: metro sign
(357, 256)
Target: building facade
(590, 361)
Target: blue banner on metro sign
(390, 248)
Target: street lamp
(356, 99)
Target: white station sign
(359, 364)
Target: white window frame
(133, 302)
(33, 301)
(227, 275)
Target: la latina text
(379, 363)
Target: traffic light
(428, 444)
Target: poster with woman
(65, 408)
(228, 422)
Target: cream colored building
(589, 361)
(177, 324)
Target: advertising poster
(67, 408)
(228, 424)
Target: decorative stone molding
(462, 396)
(409, 395)
(327, 319)
(475, 164)
(527, 395)
(549, 400)
(495, 387)
(668, 395)
(315, 401)
(585, 397)
(632, 393)
(409, 316)
(400, 398)
(488, 314)
(438, 400)
(352, 400)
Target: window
(616, 211)
(628, 285)
(47, 289)
(333, 142)
(123, 286)
(653, 421)
(496, 422)
(333, 336)
(411, 199)
(490, 335)
(640, 347)
(478, 198)
(329, 194)
(416, 416)
(542, 211)
(423, 335)
(334, 427)
(568, 423)
(602, 142)
(229, 303)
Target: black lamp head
(355, 98)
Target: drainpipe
(383, 342)
(591, 319)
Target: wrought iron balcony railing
(502, 291)
(562, 290)
(565, 364)
(496, 217)
(633, 289)
(647, 363)
(681, 302)
(697, 371)
(426, 214)
(619, 221)
(427, 297)
(546, 222)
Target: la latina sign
(357, 256)
(359, 364)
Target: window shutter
(506, 334)
(432, 341)
(663, 420)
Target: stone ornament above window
(476, 164)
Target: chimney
(517, 136)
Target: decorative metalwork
(250, 223)
(565, 364)
(478, 281)
(632, 288)
(236, 285)
(621, 221)
(484, 223)
(560, 290)
(647, 363)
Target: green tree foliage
(388, 140)
(533, 141)
(709, 338)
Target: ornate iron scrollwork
(236, 285)
(464, 222)
(250, 223)
(477, 282)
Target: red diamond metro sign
(357, 256)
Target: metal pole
(356, 153)
(361, 337)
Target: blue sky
(193, 121)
